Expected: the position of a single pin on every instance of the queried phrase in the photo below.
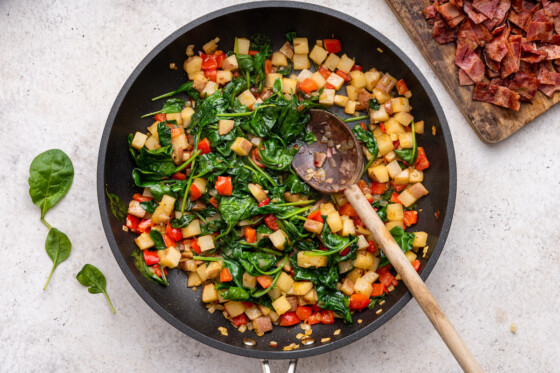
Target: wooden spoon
(344, 180)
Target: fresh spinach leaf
(236, 208)
(381, 210)
(367, 138)
(295, 185)
(156, 236)
(309, 138)
(58, 248)
(183, 221)
(118, 207)
(260, 42)
(290, 36)
(236, 293)
(335, 301)
(173, 105)
(145, 270)
(403, 238)
(92, 278)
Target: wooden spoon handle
(412, 280)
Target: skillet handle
(266, 366)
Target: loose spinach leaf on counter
(145, 270)
(184, 88)
(156, 236)
(58, 248)
(50, 176)
(118, 207)
(367, 138)
(92, 278)
(409, 155)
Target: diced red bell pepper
(211, 74)
(224, 185)
(265, 281)
(289, 318)
(195, 247)
(268, 66)
(239, 320)
(344, 252)
(179, 176)
(160, 117)
(174, 233)
(250, 235)
(401, 87)
(253, 53)
(145, 225)
(358, 301)
(150, 257)
(132, 222)
(421, 162)
(303, 312)
(255, 157)
(358, 222)
(194, 192)
(220, 57)
(364, 187)
(386, 278)
(356, 67)
(332, 45)
(327, 317)
(371, 247)
(308, 86)
(377, 290)
(169, 242)
(225, 275)
(382, 127)
(397, 187)
(314, 318)
(395, 198)
(270, 221)
(325, 72)
(157, 270)
(396, 144)
(343, 75)
(316, 215)
(348, 210)
(140, 198)
(410, 217)
(416, 265)
(248, 304)
(264, 202)
(204, 146)
(213, 201)
(329, 86)
(378, 188)
(209, 62)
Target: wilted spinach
(184, 88)
(409, 155)
(118, 207)
(146, 271)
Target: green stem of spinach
(354, 119)
(47, 224)
(50, 274)
(259, 170)
(367, 166)
(150, 114)
(294, 213)
(262, 292)
(331, 252)
(274, 271)
(269, 251)
(300, 217)
(188, 161)
(200, 217)
(109, 300)
(208, 258)
(298, 203)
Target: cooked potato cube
(362, 242)
(139, 140)
(246, 98)
(313, 226)
(403, 118)
(403, 177)
(363, 286)
(319, 79)
(392, 224)
(355, 274)
(213, 269)
(371, 77)
(418, 190)
(209, 293)
(242, 45)
(211, 46)
(335, 80)
(275, 292)
(205, 242)
(144, 241)
(311, 297)
(347, 287)
(169, 257)
(420, 239)
(352, 92)
(193, 279)
(345, 64)
(241, 146)
(152, 143)
(308, 261)
(253, 313)
(186, 116)
(416, 176)
(223, 77)
(419, 127)
(331, 62)
(271, 78)
(381, 97)
(278, 239)
(287, 50)
(249, 281)
(370, 276)
(350, 107)
(289, 85)
(304, 74)
(191, 230)
(300, 46)
(230, 63)
(327, 97)
(379, 173)
(153, 130)
(395, 212)
(210, 88)
(224, 126)
(318, 54)
(281, 305)
(384, 144)
(406, 140)
(301, 62)
(257, 192)
(411, 256)
(234, 309)
(380, 115)
(400, 104)
(134, 208)
(179, 142)
(358, 79)
(334, 221)
(394, 169)
(364, 259)
(326, 208)
(279, 59)
(406, 198)
(393, 127)
(201, 270)
(193, 65)
(200, 183)
(348, 228)
(302, 287)
(285, 282)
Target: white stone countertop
(62, 64)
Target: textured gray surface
(62, 64)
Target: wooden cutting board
(492, 123)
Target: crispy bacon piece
(486, 7)
(443, 34)
(451, 14)
(482, 33)
(464, 78)
(499, 14)
(469, 61)
(525, 85)
(430, 12)
(496, 95)
(552, 51)
(467, 35)
(510, 63)
(521, 19)
(473, 14)
(498, 47)
(539, 30)
(517, 5)
(550, 8)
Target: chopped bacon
(531, 54)
(557, 25)
(473, 15)
(486, 7)
(491, 64)
(521, 19)
(483, 34)
(510, 63)
(496, 95)
(430, 12)
(552, 51)
(442, 33)
(464, 78)
(498, 47)
(539, 30)
(451, 14)
(549, 90)
(469, 61)
(517, 5)
(548, 77)
(499, 15)
(524, 85)
(550, 8)
(467, 35)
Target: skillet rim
(215, 343)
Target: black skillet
(182, 307)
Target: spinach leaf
(295, 185)
(263, 120)
(245, 63)
(335, 301)
(211, 163)
(118, 207)
(367, 138)
(173, 105)
(309, 138)
(145, 270)
(183, 221)
(164, 134)
(290, 36)
(154, 164)
(260, 42)
(236, 293)
(156, 236)
(236, 271)
(58, 248)
(50, 176)
(403, 238)
(92, 278)
(381, 210)
(184, 88)
(149, 206)
(207, 109)
(333, 241)
(236, 208)
(373, 301)
(374, 104)
(275, 156)
(409, 155)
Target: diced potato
(224, 126)
(242, 45)
(179, 143)
(327, 97)
(416, 176)
(139, 140)
(234, 309)
(201, 270)
(406, 140)
(380, 115)
(264, 310)
(304, 74)
(420, 239)
(209, 293)
(340, 100)
(213, 269)
(279, 59)
(319, 79)
(164, 209)
(200, 183)
(301, 46)
(176, 117)
(193, 65)
(392, 224)
(273, 316)
(390, 157)
(308, 261)
(301, 62)
(313, 226)
(144, 241)
(186, 116)
(287, 50)
(271, 78)
(352, 92)
(381, 96)
(211, 46)
(334, 221)
(223, 77)
(326, 208)
(190, 50)
(285, 282)
(289, 85)
(153, 130)
(419, 127)
(331, 62)
(169, 257)
(370, 276)
(347, 287)
(246, 98)
(418, 190)
(257, 192)
(230, 63)
(403, 118)
(279, 239)
(379, 173)
(249, 281)
(355, 274)
(364, 259)
(371, 77)
(209, 88)
(403, 177)
(384, 144)
(134, 208)
(358, 79)
(193, 279)
(406, 198)
(191, 230)
(395, 212)
(302, 287)
(281, 305)
(393, 168)
(199, 81)
(345, 266)
(363, 286)
(152, 143)
(350, 107)
(348, 228)
(400, 104)
(393, 127)
(335, 80)
(275, 292)
(205, 242)
(253, 313)
(318, 54)
(241, 146)
(311, 297)
(362, 242)
(411, 256)
(345, 64)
